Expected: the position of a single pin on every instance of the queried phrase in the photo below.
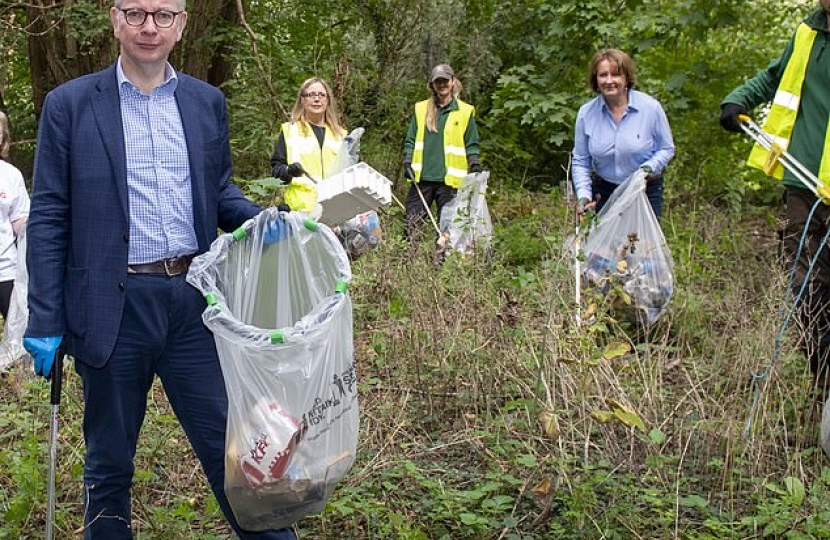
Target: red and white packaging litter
(270, 445)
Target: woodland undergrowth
(489, 412)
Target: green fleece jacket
(434, 168)
(807, 143)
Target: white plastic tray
(355, 190)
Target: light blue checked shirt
(615, 151)
(158, 172)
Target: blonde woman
(441, 147)
(14, 210)
(307, 146)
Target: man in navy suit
(132, 179)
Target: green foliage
(477, 386)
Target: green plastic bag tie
(211, 300)
(277, 337)
(341, 287)
(310, 224)
(239, 234)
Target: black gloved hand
(651, 176)
(585, 206)
(729, 116)
(408, 173)
(475, 168)
(295, 170)
(282, 207)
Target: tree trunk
(203, 52)
(70, 38)
(64, 44)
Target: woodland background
(487, 413)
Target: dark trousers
(416, 213)
(814, 308)
(6, 288)
(161, 334)
(654, 191)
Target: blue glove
(275, 231)
(43, 350)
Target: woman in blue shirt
(618, 132)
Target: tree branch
(250, 31)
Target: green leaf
(630, 419)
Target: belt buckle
(169, 265)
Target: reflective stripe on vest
(781, 119)
(455, 150)
(302, 146)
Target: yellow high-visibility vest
(781, 119)
(455, 151)
(302, 146)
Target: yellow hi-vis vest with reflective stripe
(455, 151)
(302, 146)
(782, 114)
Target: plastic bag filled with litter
(282, 321)
(627, 248)
(465, 221)
(11, 346)
(361, 234)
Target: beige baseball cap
(441, 71)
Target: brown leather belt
(168, 267)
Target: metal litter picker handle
(55, 401)
(779, 153)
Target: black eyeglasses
(162, 18)
(312, 95)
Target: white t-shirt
(14, 204)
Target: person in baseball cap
(441, 71)
(440, 149)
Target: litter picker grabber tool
(426, 207)
(576, 246)
(778, 154)
(55, 401)
(442, 238)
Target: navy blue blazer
(78, 229)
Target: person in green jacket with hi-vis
(798, 85)
(441, 148)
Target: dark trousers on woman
(654, 192)
(161, 334)
(416, 213)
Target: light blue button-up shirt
(615, 150)
(158, 172)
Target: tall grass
(487, 412)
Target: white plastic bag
(283, 327)
(465, 221)
(349, 153)
(627, 247)
(11, 346)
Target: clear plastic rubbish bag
(11, 346)
(627, 247)
(282, 322)
(349, 153)
(465, 221)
